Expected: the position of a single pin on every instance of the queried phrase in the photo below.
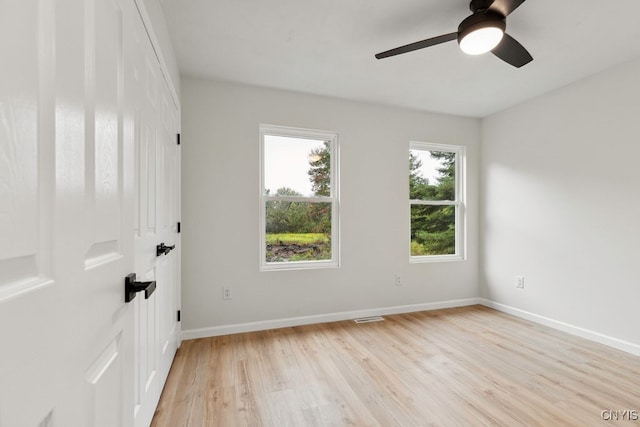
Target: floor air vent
(369, 319)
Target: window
(298, 198)
(436, 196)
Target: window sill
(299, 265)
(435, 258)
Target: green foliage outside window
(433, 227)
(301, 231)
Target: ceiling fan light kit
(482, 32)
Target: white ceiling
(326, 47)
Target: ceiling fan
(479, 33)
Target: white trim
(298, 199)
(237, 328)
(434, 202)
(293, 132)
(459, 202)
(22, 287)
(422, 259)
(298, 265)
(334, 198)
(155, 44)
(616, 343)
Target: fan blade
(505, 7)
(418, 45)
(512, 52)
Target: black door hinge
(178, 315)
(178, 227)
(178, 138)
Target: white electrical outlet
(397, 280)
(226, 293)
(520, 282)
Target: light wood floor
(469, 366)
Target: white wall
(561, 205)
(220, 207)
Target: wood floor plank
(470, 366)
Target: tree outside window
(435, 188)
(299, 198)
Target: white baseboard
(565, 327)
(214, 331)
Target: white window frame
(334, 199)
(459, 203)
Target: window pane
(432, 175)
(296, 166)
(297, 231)
(433, 230)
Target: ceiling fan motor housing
(481, 20)
(480, 5)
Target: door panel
(147, 379)
(102, 320)
(103, 377)
(25, 190)
(27, 283)
(103, 142)
(157, 211)
(78, 115)
(168, 212)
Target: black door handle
(131, 287)
(163, 249)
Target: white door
(31, 290)
(68, 134)
(157, 212)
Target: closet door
(157, 245)
(31, 290)
(67, 154)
